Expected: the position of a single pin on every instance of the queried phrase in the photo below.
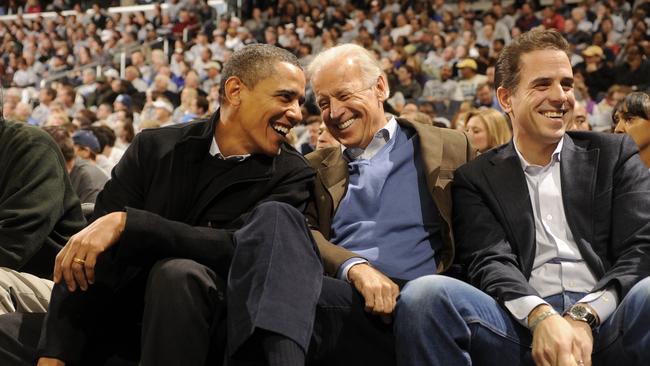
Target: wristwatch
(583, 313)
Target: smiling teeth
(281, 129)
(346, 124)
(553, 114)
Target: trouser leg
(624, 338)
(89, 327)
(184, 303)
(275, 277)
(344, 333)
(443, 321)
(23, 292)
(19, 334)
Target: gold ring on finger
(78, 260)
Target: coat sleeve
(630, 226)
(481, 243)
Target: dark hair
(202, 103)
(50, 92)
(508, 65)
(636, 104)
(62, 138)
(254, 63)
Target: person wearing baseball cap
(163, 110)
(470, 78)
(598, 76)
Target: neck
(535, 152)
(228, 134)
(642, 140)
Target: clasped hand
(562, 341)
(75, 263)
(378, 291)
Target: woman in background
(487, 128)
(632, 116)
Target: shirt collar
(555, 156)
(216, 152)
(378, 141)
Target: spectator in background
(635, 71)
(188, 99)
(45, 97)
(212, 77)
(487, 128)
(603, 111)
(163, 111)
(325, 138)
(470, 79)
(444, 89)
(527, 19)
(485, 97)
(313, 129)
(406, 83)
(86, 178)
(632, 116)
(124, 130)
(598, 76)
(551, 19)
(580, 118)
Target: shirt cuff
(521, 307)
(342, 274)
(603, 302)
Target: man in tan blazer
(381, 209)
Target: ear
(381, 88)
(504, 96)
(232, 90)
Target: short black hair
(254, 63)
(636, 104)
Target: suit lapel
(431, 148)
(508, 184)
(578, 176)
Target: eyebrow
(292, 94)
(547, 80)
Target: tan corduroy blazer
(443, 150)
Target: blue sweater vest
(387, 215)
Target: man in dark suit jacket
(186, 228)
(373, 240)
(554, 228)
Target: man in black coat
(554, 229)
(196, 219)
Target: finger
(369, 296)
(585, 352)
(565, 359)
(79, 275)
(89, 266)
(57, 264)
(576, 351)
(379, 303)
(66, 264)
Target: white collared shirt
(379, 140)
(215, 151)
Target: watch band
(583, 313)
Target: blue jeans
(443, 321)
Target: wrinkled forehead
(327, 83)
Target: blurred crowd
(439, 58)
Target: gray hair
(369, 66)
(253, 64)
